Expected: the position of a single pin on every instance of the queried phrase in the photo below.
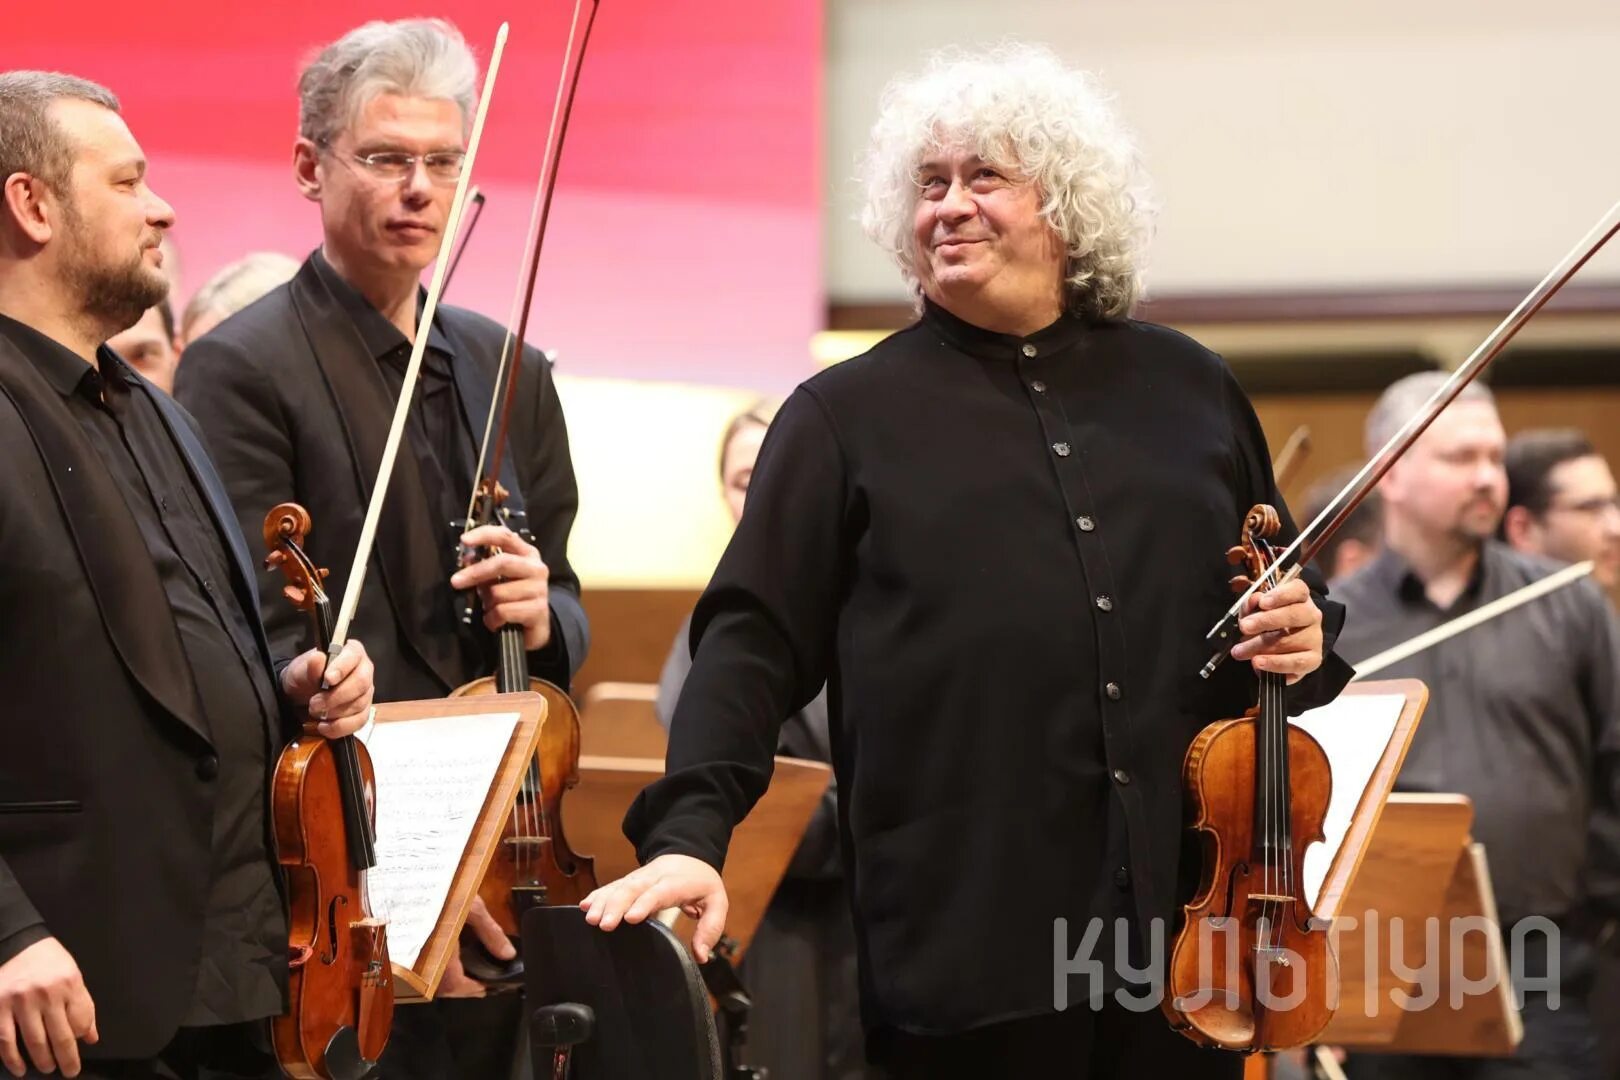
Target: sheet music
(433, 775)
(1354, 729)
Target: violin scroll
(1254, 554)
(285, 527)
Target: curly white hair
(1021, 108)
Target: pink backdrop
(685, 237)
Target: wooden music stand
(1482, 1024)
(761, 846)
(420, 981)
(1412, 859)
(1374, 794)
(1413, 862)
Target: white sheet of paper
(433, 775)
(1354, 729)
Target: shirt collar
(380, 336)
(988, 344)
(1395, 575)
(63, 368)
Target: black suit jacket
(107, 773)
(295, 408)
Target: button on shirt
(1523, 718)
(242, 967)
(931, 533)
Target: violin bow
(1291, 456)
(1569, 575)
(1224, 634)
(379, 490)
(562, 109)
(475, 199)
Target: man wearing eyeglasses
(1562, 503)
(296, 394)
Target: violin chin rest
(477, 962)
(343, 1059)
(1224, 1026)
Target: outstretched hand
(668, 881)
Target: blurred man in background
(150, 346)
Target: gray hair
(236, 285)
(422, 58)
(1405, 397)
(1019, 107)
(30, 141)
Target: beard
(1478, 519)
(110, 294)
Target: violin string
(1279, 790)
(525, 824)
(1288, 779)
(1268, 784)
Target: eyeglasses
(396, 166)
(1593, 507)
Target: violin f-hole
(331, 954)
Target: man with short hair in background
(1562, 501)
(1562, 504)
(151, 346)
(1524, 716)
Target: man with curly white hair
(1000, 538)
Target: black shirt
(440, 435)
(1523, 718)
(244, 942)
(436, 426)
(1003, 555)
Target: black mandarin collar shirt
(1003, 554)
(242, 968)
(436, 429)
(1523, 718)
(436, 425)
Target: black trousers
(805, 1023)
(1112, 1043)
(1558, 1044)
(1605, 1004)
(453, 1039)
(227, 1052)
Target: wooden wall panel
(631, 633)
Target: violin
(1252, 967)
(323, 805)
(533, 864)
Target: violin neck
(512, 667)
(351, 782)
(1273, 825)
(511, 662)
